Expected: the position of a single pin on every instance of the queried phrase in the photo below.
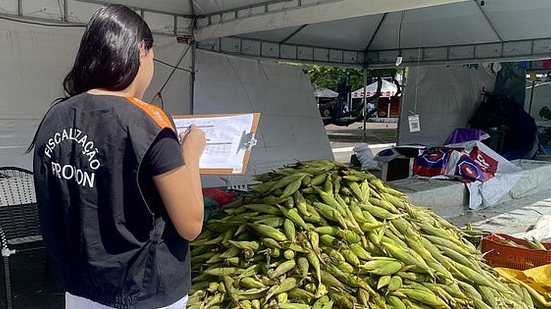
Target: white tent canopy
(388, 89)
(340, 32)
(325, 93)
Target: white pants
(77, 302)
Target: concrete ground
(511, 217)
(343, 139)
(34, 285)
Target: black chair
(19, 223)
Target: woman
(117, 203)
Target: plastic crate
(497, 254)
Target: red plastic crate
(497, 254)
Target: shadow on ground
(376, 133)
(34, 286)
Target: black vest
(110, 245)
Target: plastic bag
(498, 175)
(366, 157)
(536, 280)
(221, 197)
(540, 231)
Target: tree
(335, 78)
(332, 77)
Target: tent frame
(294, 13)
(64, 20)
(103, 2)
(285, 52)
(516, 50)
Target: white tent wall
(444, 97)
(176, 94)
(34, 60)
(290, 126)
(33, 63)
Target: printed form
(224, 136)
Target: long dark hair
(109, 53)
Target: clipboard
(242, 136)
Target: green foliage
(334, 77)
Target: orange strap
(157, 114)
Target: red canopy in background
(388, 89)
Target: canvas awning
(325, 93)
(339, 32)
(388, 89)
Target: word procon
(69, 172)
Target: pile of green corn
(319, 234)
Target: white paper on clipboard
(224, 135)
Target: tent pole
(365, 105)
(531, 98)
(65, 10)
(193, 58)
(192, 79)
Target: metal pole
(400, 110)
(193, 56)
(65, 10)
(192, 78)
(365, 106)
(531, 98)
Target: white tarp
(325, 93)
(32, 66)
(540, 231)
(444, 97)
(290, 127)
(33, 63)
(388, 89)
(35, 59)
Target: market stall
(326, 101)
(387, 89)
(325, 93)
(387, 94)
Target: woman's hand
(193, 144)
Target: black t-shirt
(164, 155)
